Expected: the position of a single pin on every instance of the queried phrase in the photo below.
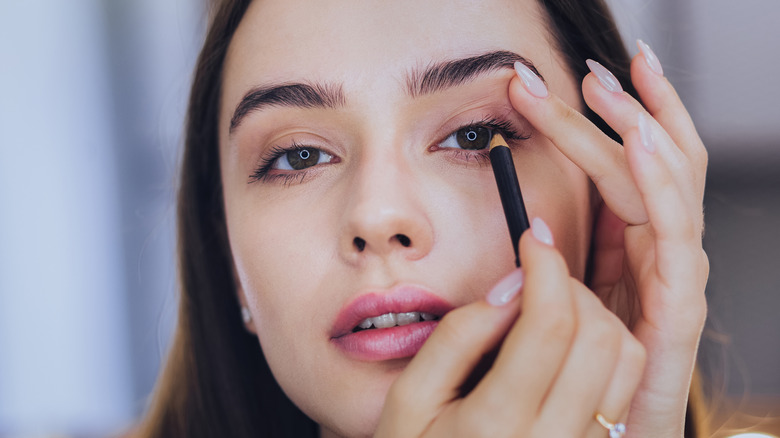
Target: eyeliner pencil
(509, 191)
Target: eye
(301, 158)
(469, 138)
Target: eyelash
(503, 127)
(263, 171)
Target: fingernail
(506, 289)
(650, 58)
(533, 83)
(646, 133)
(607, 79)
(541, 231)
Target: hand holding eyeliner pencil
(508, 190)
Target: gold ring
(616, 430)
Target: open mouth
(389, 320)
(389, 324)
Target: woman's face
(348, 194)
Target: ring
(616, 430)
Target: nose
(386, 216)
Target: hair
(216, 381)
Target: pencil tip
(497, 140)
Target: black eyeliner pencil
(509, 191)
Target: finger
(620, 111)
(454, 348)
(579, 388)
(533, 350)
(662, 101)
(625, 380)
(677, 231)
(587, 146)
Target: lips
(388, 325)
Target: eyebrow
(431, 79)
(439, 76)
(290, 95)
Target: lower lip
(386, 344)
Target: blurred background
(92, 100)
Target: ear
(242, 301)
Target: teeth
(392, 319)
(408, 318)
(384, 321)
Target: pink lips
(387, 343)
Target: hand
(649, 266)
(564, 359)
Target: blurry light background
(92, 100)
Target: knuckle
(705, 263)
(635, 353)
(604, 332)
(567, 114)
(559, 325)
(699, 153)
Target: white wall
(63, 330)
(92, 99)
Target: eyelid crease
(501, 125)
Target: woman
(335, 189)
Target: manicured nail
(650, 58)
(506, 289)
(541, 231)
(533, 83)
(646, 133)
(607, 79)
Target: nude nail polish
(650, 58)
(532, 82)
(506, 289)
(541, 231)
(607, 79)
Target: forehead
(372, 44)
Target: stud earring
(245, 315)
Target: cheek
(280, 251)
(557, 191)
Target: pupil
(473, 137)
(300, 159)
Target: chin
(354, 412)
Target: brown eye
(301, 158)
(469, 138)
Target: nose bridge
(385, 214)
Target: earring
(245, 315)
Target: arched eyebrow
(433, 78)
(288, 94)
(442, 75)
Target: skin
(565, 351)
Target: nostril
(359, 243)
(405, 241)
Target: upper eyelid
(447, 128)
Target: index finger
(600, 157)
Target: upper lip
(399, 299)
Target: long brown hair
(216, 382)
